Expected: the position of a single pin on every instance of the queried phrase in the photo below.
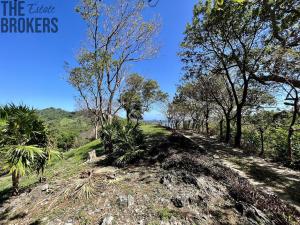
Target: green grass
(166, 214)
(154, 130)
(70, 164)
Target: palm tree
(19, 160)
(24, 141)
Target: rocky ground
(176, 183)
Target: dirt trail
(270, 177)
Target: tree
(226, 42)
(139, 96)
(117, 35)
(24, 141)
(219, 91)
(282, 56)
(262, 120)
(293, 96)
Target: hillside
(176, 182)
(68, 129)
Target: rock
(196, 200)
(251, 212)
(177, 202)
(141, 222)
(69, 222)
(239, 207)
(110, 176)
(108, 220)
(45, 187)
(166, 179)
(130, 200)
(126, 201)
(189, 179)
(92, 156)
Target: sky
(32, 65)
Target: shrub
(66, 141)
(251, 140)
(123, 142)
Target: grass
(154, 130)
(70, 163)
(166, 214)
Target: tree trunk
(221, 129)
(96, 130)
(238, 135)
(189, 124)
(15, 182)
(291, 129)
(206, 121)
(228, 130)
(127, 116)
(262, 151)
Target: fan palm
(24, 140)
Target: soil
(176, 183)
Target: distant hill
(68, 129)
(51, 113)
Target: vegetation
(230, 76)
(67, 129)
(118, 35)
(240, 86)
(24, 142)
(139, 96)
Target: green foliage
(166, 214)
(251, 140)
(275, 130)
(154, 130)
(23, 142)
(277, 138)
(63, 167)
(22, 127)
(123, 141)
(21, 158)
(67, 129)
(139, 96)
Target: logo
(27, 17)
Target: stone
(142, 222)
(110, 176)
(251, 212)
(126, 200)
(177, 202)
(166, 179)
(130, 199)
(45, 187)
(92, 156)
(108, 220)
(189, 179)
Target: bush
(251, 141)
(277, 141)
(123, 142)
(66, 141)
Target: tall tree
(226, 42)
(117, 35)
(139, 95)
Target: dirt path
(268, 176)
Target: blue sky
(32, 65)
